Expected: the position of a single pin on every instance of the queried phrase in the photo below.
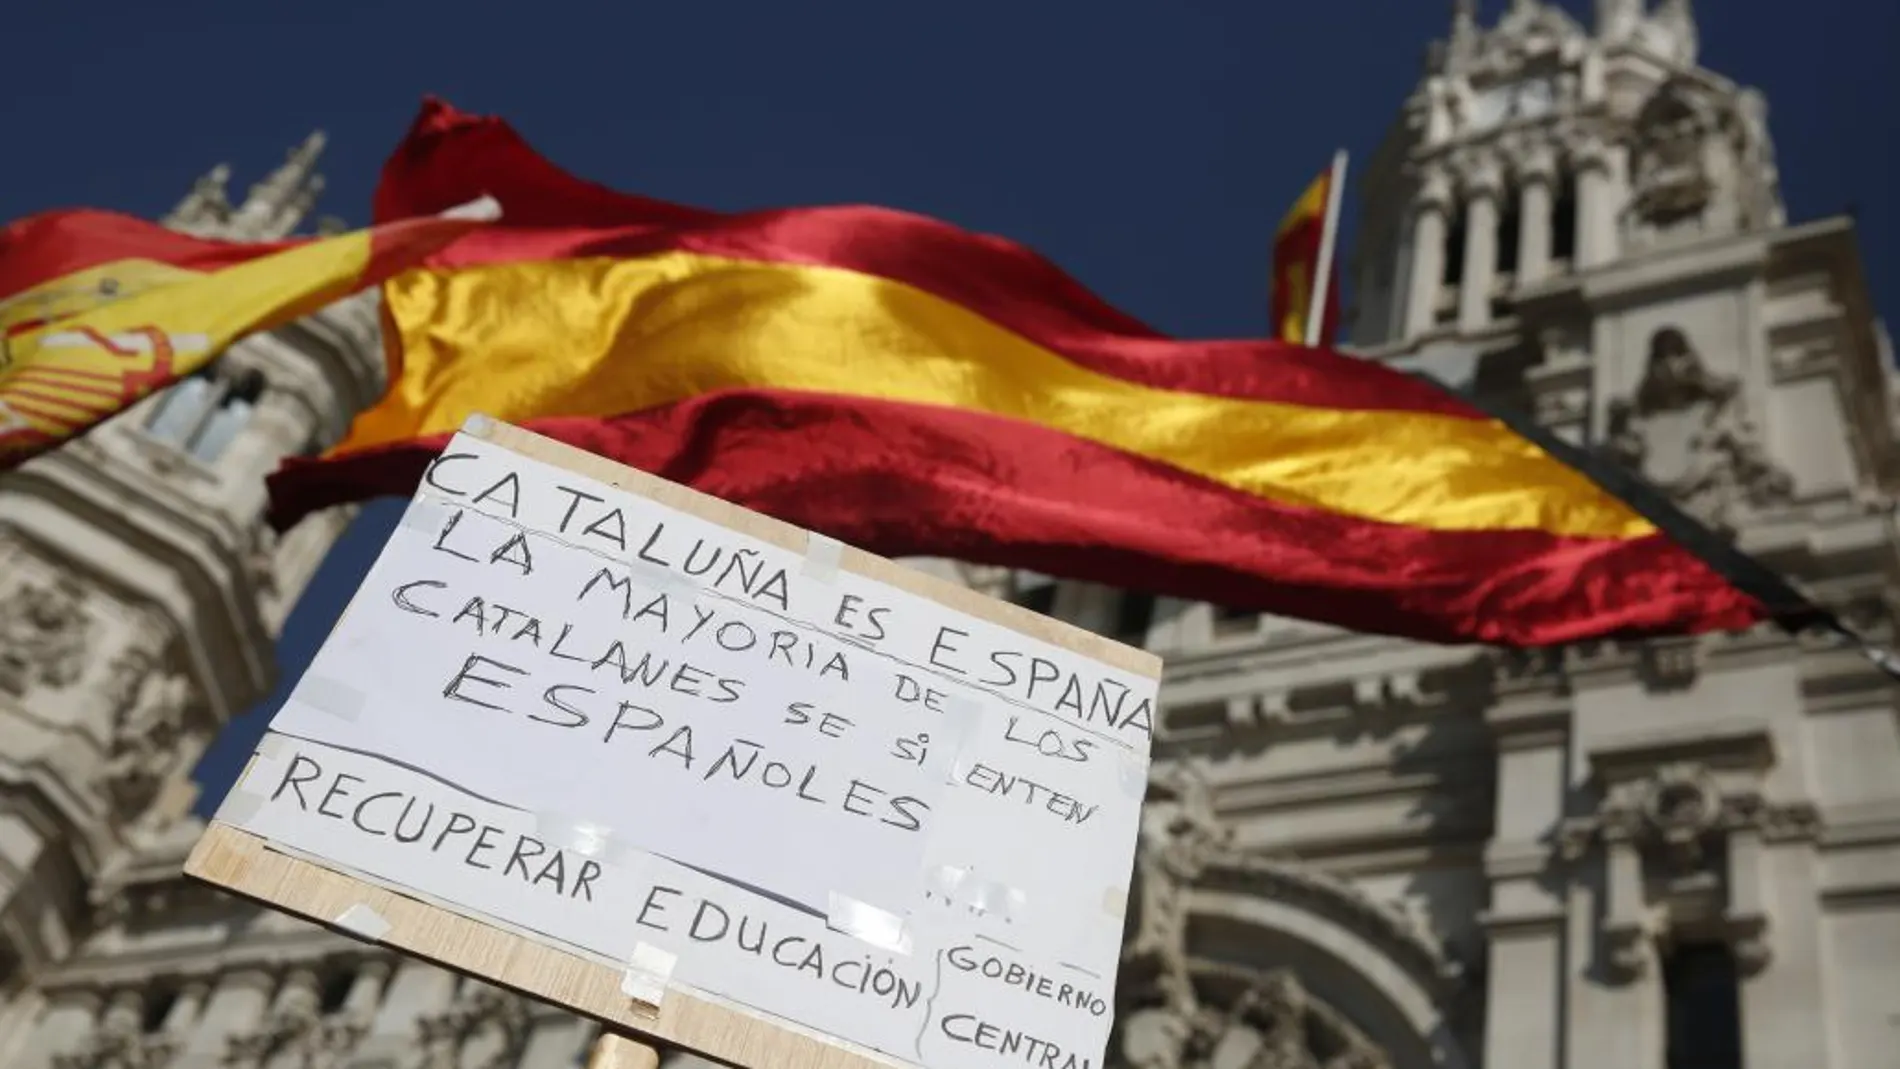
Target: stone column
(71, 1017)
(184, 1012)
(238, 1001)
(417, 989)
(301, 991)
(1526, 918)
(1537, 176)
(281, 425)
(125, 1013)
(366, 991)
(1481, 188)
(1597, 201)
(1429, 211)
(1785, 985)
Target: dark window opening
(1509, 223)
(336, 990)
(1563, 220)
(201, 415)
(1134, 616)
(1229, 621)
(1039, 598)
(1454, 249)
(1701, 986)
(158, 1006)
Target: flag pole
(1328, 240)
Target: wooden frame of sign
(245, 864)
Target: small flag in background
(916, 389)
(1304, 257)
(98, 310)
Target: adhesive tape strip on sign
(244, 800)
(861, 920)
(822, 555)
(239, 807)
(1132, 773)
(363, 922)
(585, 837)
(424, 514)
(647, 973)
(662, 580)
(330, 696)
(961, 718)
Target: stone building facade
(1358, 852)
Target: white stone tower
(141, 595)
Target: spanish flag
(1303, 256)
(916, 389)
(98, 309)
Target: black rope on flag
(1790, 609)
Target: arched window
(1563, 220)
(201, 415)
(158, 1006)
(1454, 271)
(336, 990)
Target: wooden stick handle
(615, 1051)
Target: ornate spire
(1617, 19)
(278, 204)
(206, 208)
(1464, 31)
(1677, 21)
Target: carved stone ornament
(149, 711)
(297, 1037)
(260, 561)
(1270, 1024)
(1180, 835)
(44, 634)
(1675, 809)
(120, 1043)
(1177, 1014)
(484, 1029)
(1684, 429)
(1683, 807)
(1669, 174)
(1700, 163)
(1528, 30)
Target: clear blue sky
(1148, 147)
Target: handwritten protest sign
(706, 776)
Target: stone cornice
(1367, 782)
(1855, 827)
(271, 954)
(1748, 746)
(1326, 896)
(231, 650)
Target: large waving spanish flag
(99, 309)
(919, 390)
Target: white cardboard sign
(613, 724)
